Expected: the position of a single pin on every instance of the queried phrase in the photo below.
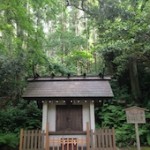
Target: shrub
(10, 140)
(113, 115)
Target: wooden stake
(137, 137)
(114, 140)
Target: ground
(134, 148)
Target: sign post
(137, 137)
(136, 115)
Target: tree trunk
(134, 80)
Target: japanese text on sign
(135, 116)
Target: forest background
(95, 37)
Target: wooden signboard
(136, 115)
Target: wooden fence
(68, 143)
(31, 140)
(102, 139)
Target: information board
(135, 115)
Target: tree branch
(83, 8)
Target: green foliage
(24, 115)
(107, 115)
(123, 41)
(10, 140)
(148, 139)
(113, 115)
(125, 135)
(45, 36)
(67, 38)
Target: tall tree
(123, 30)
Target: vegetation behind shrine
(55, 36)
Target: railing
(31, 140)
(67, 143)
(101, 139)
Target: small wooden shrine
(68, 102)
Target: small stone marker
(136, 115)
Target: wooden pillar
(21, 139)
(87, 136)
(114, 139)
(44, 115)
(92, 139)
(137, 137)
(47, 138)
(92, 116)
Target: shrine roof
(78, 87)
